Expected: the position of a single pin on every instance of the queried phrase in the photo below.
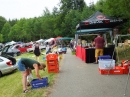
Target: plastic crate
(52, 62)
(52, 57)
(125, 71)
(49, 67)
(118, 70)
(105, 71)
(104, 57)
(53, 70)
(36, 83)
(126, 64)
(106, 64)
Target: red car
(22, 47)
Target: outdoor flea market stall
(87, 54)
(95, 24)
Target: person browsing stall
(99, 45)
(24, 65)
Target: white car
(6, 66)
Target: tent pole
(76, 39)
(110, 32)
(105, 39)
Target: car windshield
(5, 49)
(11, 47)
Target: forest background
(61, 21)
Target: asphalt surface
(79, 79)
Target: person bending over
(24, 65)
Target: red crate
(125, 63)
(118, 70)
(53, 70)
(105, 71)
(52, 62)
(52, 57)
(49, 67)
(125, 71)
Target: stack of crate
(107, 66)
(52, 63)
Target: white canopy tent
(49, 40)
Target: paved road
(78, 79)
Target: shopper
(24, 65)
(99, 45)
(37, 51)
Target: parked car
(22, 47)
(32, 48)
(6, 66)
(9, 50)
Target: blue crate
(36, 83)
(104, 57)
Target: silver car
(6, 66)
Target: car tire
(0, 74)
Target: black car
(9, 50)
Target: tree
(116, 9)
(13, 22)
(2, 22)
(5, 31)
(1, 38)
(48, 24)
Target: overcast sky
(16, 9)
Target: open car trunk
(10, 58)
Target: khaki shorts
(98, 52)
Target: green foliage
(11, 84)
(5, 31)
(1, 38)
(62, 22)
(2, 22)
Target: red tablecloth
(81, 53)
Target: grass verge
(11, 84)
